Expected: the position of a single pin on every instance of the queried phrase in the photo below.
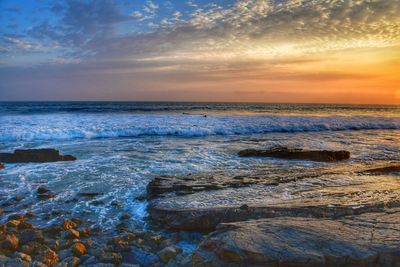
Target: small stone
(78, 249)
(70, 234)
(116, 203)
(85, 232)
(17, 198)
(168, 253)
(67, 225)
(111, 257)
(71, 262)
(9, 242)
(24, 226)
(31, 235)
(42, 190)
(65, 254)
(22, 256)
(13, 223)
(17, 262)
(45, 196)
(17, 217)
(38, 264)
(157, 239)
(125, 217)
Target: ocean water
(121, 146)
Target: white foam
(90, 126)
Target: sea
(121, 146)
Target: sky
(302, 51)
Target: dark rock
(9, 242)
(111, 257)
(125, 217)
(34, 155)
(385, 169)
(17, 217)
(89, 194)
(70, 234)
(42, 190)
(22, 256)
(44, 254)
(17, 262)
(46, 196)
(30, 235)
(70, 262)
(168, 253)
(286, 153)
(24, 226)
(138, 256)
(116, 203)
(371, 239)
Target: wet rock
(385, 169)
(13, 224)
(116, 203)
(17, 217)
(9, 242)
(141, 257)
(286, 153)
(125, 217)
(97, 202)
(70, 234)
(17, 262)
(69, 262)
(65, 254)
(38, 264)
(34, 155)
(168, 253)
(1, 166)
(53, 230)
(111, 257)
(22, 256)
(46, 196)
(24, 226)
(43, 253)
(30, 235)
(42, 190)
(371, 239)
(67, 225)
(78, 249)
(89, 194)
(17, 198)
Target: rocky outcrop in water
(371, 239)
(34, 155)
(179, 211)
(300, 154)
(1, 166)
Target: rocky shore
(73, 243)
(260, 219)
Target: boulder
(371, 239)
(299, 154)
(9, 242)
(34, 155)
(78, 249)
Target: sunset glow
(264, 51)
